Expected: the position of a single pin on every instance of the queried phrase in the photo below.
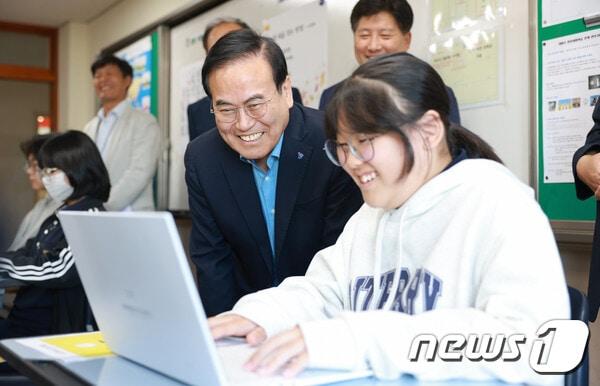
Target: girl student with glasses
(44, 205)
(53, 301)
(448, 241)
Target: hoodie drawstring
(378, 282)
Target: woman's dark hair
(399, 9)
(243, 44)
(33, 145)
(391, 91)
(77, 156)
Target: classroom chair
(579, 376)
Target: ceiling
(52, 13)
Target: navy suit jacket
(454, 117)
(592, 143)
(229, 242)
(200, 119)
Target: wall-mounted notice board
(568, 88)
(142, 56)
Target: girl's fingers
(296, 365)
(256, 336)
(276, 352)
(230, 325)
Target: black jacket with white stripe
(54, 300)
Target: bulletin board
(568, 68)
(142, 55)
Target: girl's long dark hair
(391, 92)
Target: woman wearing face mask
(45, 206)
(448, 242)
(54, 301)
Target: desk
(114, 371)
(111, 370)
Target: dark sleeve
(454, 112)
(51, 266)
(325, 98)
(192, 124)
(296, 95)
(343, 200)
(592, 143)
(210, 252)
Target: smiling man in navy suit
(263, 196)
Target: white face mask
(57, 186)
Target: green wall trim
(154, 79)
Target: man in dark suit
(382, 27)
(263, 196)
(586, 170)
(200, 119)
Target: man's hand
(285, 351)
(235, 325)
(588, 170)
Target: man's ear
(408, 36)
(129, 80)
(432, 129)
(286, 90)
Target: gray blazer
(131, 158)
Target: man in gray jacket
(128, 138)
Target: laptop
(138, 281)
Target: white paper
(570, 89)
(302, 35)
(560, 11)
(472, 63)
(47, 349)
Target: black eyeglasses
(338, 152)
(228, 114)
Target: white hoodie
(470, 252)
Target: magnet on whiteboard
(591, 21)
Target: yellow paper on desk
(86, 345)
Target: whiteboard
(505, 125)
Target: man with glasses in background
(263, 196)
(44, 205)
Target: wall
(75, 94)
(79, 43)
(507, 126)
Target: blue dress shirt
(266, 184)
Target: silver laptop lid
(132, 265)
